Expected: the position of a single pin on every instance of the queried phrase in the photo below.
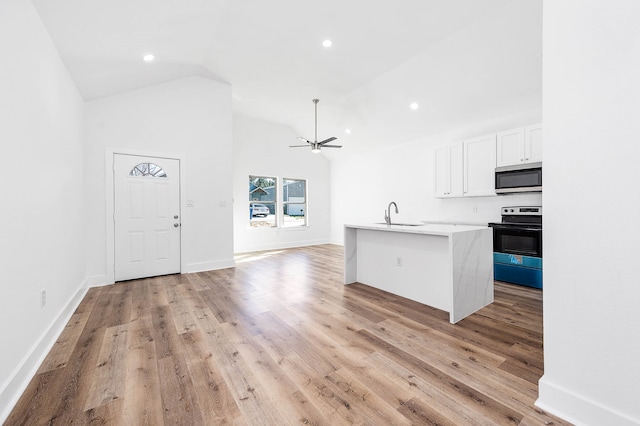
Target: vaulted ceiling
(459, 60)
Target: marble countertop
(424, 228)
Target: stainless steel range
(517, 246)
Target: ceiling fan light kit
(315, 145)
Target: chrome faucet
(387, 213)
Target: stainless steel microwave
(519, 178)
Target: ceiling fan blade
(315, 145)
(327, 140)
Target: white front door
(147, 216)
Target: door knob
(175, 225)
(175, 216)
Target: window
(269, 209)
(262, 201)
(148, 169)
(294, 202)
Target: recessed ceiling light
(347, 131)
(148, 57)
(414, 106)
(327, 43)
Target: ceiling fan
(315, 145)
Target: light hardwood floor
(279, 340)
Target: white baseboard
(209, 266)
(102, 280)
(277, 246)
(577, 409)
(97, 281)
(27, 369)
(337, 243)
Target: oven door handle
(516, 227)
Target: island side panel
(425, 273)
(472, 254)
(350, 258)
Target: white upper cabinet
(479, 166)
(518, 146)
(449, 171)
(533, 143)
(467, 169)
(510, 147)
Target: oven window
(527, 243)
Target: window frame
(267, 203)
(279, 203)
(287, 203)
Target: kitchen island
(446, 266)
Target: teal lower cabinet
(516, 269)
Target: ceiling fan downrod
(315, 103)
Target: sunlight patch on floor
(251, 257)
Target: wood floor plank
(118, 309)
(106, 414)
(142, 396)
(248, 392)
(335, 338)
(292, 406)
(279, 340)
(157, 292)
(110, 372)
(420, 413)
(435, 378)
(435, 345)
(436, 405)
(367, 406)
(210, 388)
(197, 281)
(179, 401)
(182, 306)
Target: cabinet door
(448, 171)
(443, 174)
(533, 143)
(510, 147)
(479, 166)
(456, 160)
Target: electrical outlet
(43, 298)
(398, 261)
(475, 209)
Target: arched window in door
(148, 169)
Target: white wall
(41, 175)
(364, 185)
(592, 146)
(489, 80)
(487, 70)
(262, 149)
(189, 118)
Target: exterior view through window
(262, 201)
(267, 209)
(148, 169)
(294, 202)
